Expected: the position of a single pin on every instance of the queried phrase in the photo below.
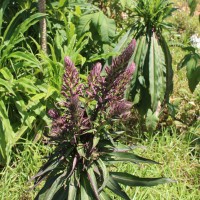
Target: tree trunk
(43, 25)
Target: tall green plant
(192, 63)
(152, 82)
(87, 148)
(22, 96)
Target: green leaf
(54, 187)
(23, 27)
(130, 180)
(50, 165)
(7, 74)
(115, 187)
(138, 57)
(151, 120)
(26, 117)
(14, 34)
(184, 61)
(95, 141)
(105, 26)
(193, 5)
(73, 187)
(84, 24)
(123, 3)
(169, 70)
(123, 42)
(47, 168)
(93, 182)
(86, 190)
(81, 150)
(126, 157)
(61, 194)
(2, 10)
(7, 86)
(6, 134)
(50, 91)
(192, 63)
(29, 58)
(105, 174)
(193, 73)
(37, 97)
(19, 134)
(107, 146)
(157, 83)
(47, 187)
(26, 85)
(104, 196)
(11, 26)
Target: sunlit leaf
(130, 180)
(115, 187)
(127, 157)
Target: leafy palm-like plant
(152, 82)
(85, 138)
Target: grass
(176, 152)
(178, 155)
(14, 183)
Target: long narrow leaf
(2, 9)
(169, 70)
(157, 70)
(105, 174)
(50, 183)
(6, 134)
(130, 180)
(86, 190)
(138, 57)
(104, 196)
(57, 184)
(115, 187)
(93, 182)
(7, 86)
(128, 157)
(73, 187)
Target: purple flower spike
(130, 69)
(96, 70)
(95, 82)
(120, 108)
(118, 86)
(107, 91)
(70, 79)
(68, 62)
(119, 64)
(58, 126)
(128, 52)
(53, 113)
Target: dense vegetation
(92, 92)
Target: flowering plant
(86, 145)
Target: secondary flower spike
(119, 63)
(118, 86)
